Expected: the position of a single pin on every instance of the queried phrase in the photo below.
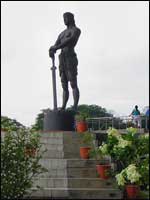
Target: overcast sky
(112, 52)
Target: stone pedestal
(59, 121)
(68, 176)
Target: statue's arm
(52, 49)
(74, 36)
(57, 41)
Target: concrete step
(54, 173)
(83, 172)
(95, 193)
(83, 162)
(51, 140)
(51, 182)
(66, 137)
(53, 163)
(60, 135)
(56, 163)
(60, 154)
(91, 183)
(61, 145)
(75, 183)
(55, 147)
(70, 172)
(77, 193)
(54, 133)
(53, 154)
(69, 167)
(69, 142)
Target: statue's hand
(53, 48)
(51, 54)
(52, 51)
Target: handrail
(115, 117)
(103, 123)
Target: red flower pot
(132, 191)
(84, 152)
(103, 171)
(81, 126)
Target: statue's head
(68, 18)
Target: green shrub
(128, 149)
(81, 117)
(8, 124)
(17, 168)
(87, 139)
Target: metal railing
(123, 122)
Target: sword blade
(53, 68)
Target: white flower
(123, 143)
(113, 132)
(132, 130)
(145, 135)
(103, 149)
(120, 179)
(132, 173)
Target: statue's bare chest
(66, 34)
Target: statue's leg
(75, 89)
(65, 91)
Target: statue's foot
(62, 108)
(74, 108)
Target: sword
(53, 68)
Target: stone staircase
(68, 176)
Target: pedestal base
(59, 121)
(69, 176)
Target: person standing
(136, 115)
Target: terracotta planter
(84, 152)
(30, 152)
(3, 130)
(103, 170)
(81, 126)
(132, 191)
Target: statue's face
(67, 20)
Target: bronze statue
(67, 59)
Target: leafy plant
(8, 124)
(33, 140)
(39, 121)
(100, 154)
(81, 117)
(17, 169)
(123, 148)
(87, 138)
(127, 149)
(129, 175)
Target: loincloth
(68, 66)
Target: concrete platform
(78, 193)
(69, 176)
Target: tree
(8, 124)
(38, 122)
(94, 111)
